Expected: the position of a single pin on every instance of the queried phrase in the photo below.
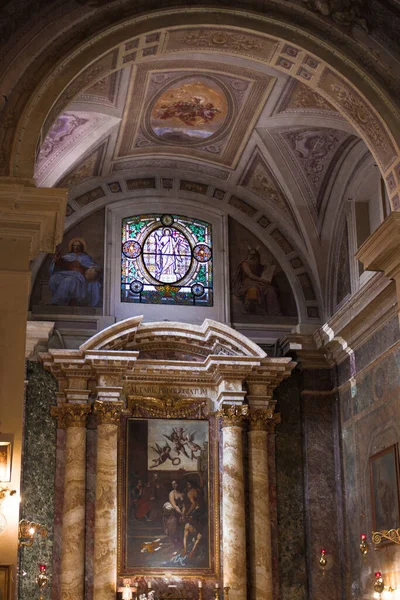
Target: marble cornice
(306, 350)
(33, 216)
(381, 250)
(356, 322)
(37, 334)
(373, 305)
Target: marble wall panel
(290, 492)
(38, 475)
(322, 499)
(370, 412)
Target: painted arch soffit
(284, 57)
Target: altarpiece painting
(169, 484)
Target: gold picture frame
(5, 582)
(385, 488)
(194, 421)
(5, 460)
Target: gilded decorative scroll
(168, 407)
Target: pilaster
(31, 221)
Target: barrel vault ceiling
(255, 137)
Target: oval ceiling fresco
(189, 111)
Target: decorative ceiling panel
(260, 180)
(88, 167)
(103, 92)
(313, 153)
(300, 97)
(220, 39)
(200, 113)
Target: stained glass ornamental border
(166, 259)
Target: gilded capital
(233, 415)
(260, 419)
(107, 412)
(272, 423)
(71, 415)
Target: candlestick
(226, 592)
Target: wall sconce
(392, 534)
(379, 584)
(27, 531)
(323, 561)
(364, 548)
(42, 579)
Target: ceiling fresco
(203, 114)
(191, 111)
(231, 131)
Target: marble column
(73, 418)
(233, 502)
(106, 524)
(261, 579)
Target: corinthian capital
(107, 412)
(233, 415)
(260, 419)
(71, 415)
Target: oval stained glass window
(166, 259)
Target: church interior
(199, 300)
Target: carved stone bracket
(233, 416)
(71, 415)
(107, 412)
(167, 408)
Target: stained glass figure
(166, 259)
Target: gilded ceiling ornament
(233, 415)
(260, 418)
(71, 415)
(107, 412)
(221, 39)
(361, 114)
(168, 407)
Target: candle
(216, 586)
(200, 584)
(149, 585)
